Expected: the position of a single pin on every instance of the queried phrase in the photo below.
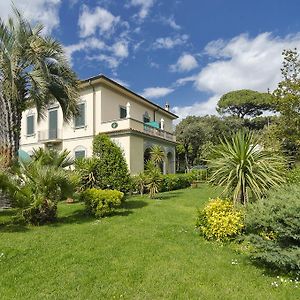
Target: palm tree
(33, 72)
(242, 167)
(157, 155)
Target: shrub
(219, 220)
(273, 226)
(153, 178)
(41, 214)
(293, 176)
(140, 182)
(172, 182)
(107, 169)
(101, 203)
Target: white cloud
(169, 42)
(120, 49)
(97, 19)
(112, 61)
(185, 63)
(171, 22)
(145, 6)
(240, 63)
(41, 11)
(156, 92)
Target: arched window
(79, 152)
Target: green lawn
(149, 250)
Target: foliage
(101, 203)
(293, 175)
(243, 103)
(140, 182)
(243, 168)
(157, 155)
(220, 220)
(87, 170)
(36, 188)
(51, 157)
(111, 168)
(154, 178)
(287, 103)
(273, 228)
(33, 72)
(172, 182)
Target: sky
(184, 52)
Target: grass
(148, 250)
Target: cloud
(171, 22)
(120, 49)
(240, 63)
(169, 42)
(38, 11)
(145, 6)
(112, 61)
(156, 92)
(185, 63)
(97, 19)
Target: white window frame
(74, 122)
(33, 132)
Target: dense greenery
(147, 251)
(107, 169)
(244, 169)
(244, 103)
(37, 185)
(273, 226)
(220, 220)
(101, 203)
(33, 72)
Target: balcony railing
(123, 124)
(51, 135)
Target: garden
(86, 228)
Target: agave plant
(244, 168)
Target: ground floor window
(79, 154)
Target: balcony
(132, 124)
(50, 136)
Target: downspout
(94, 108)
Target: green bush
(172, 182)
(219, 220)
(273, 226)
(107, 169)
(41, 214)
(293, 176)
(101, 203)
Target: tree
(107, 169)
(242, 167)
(287, 103)
(243, 103)
(157, 155)
(33, 72)
(191, 135)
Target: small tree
(157, 155)
(154, 178)
(242, 167)
(107, 169)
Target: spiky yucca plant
(244, 168)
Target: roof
(116, 84)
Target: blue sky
(186, 52)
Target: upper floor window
(146, 118)
(80, 118)
(123, 112)
(30, 125)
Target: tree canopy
(242, 103)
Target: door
(52, 124)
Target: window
(30, 125)
(79, 154)
(146, 118)
(123, 112)
(80, 118)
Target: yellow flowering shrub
(220, 220)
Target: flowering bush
(220, 220)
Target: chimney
(167, 106)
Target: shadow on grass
(169, 195)
(9, 221)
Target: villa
(105, 106)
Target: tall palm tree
(243, 168)
(33, 72)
